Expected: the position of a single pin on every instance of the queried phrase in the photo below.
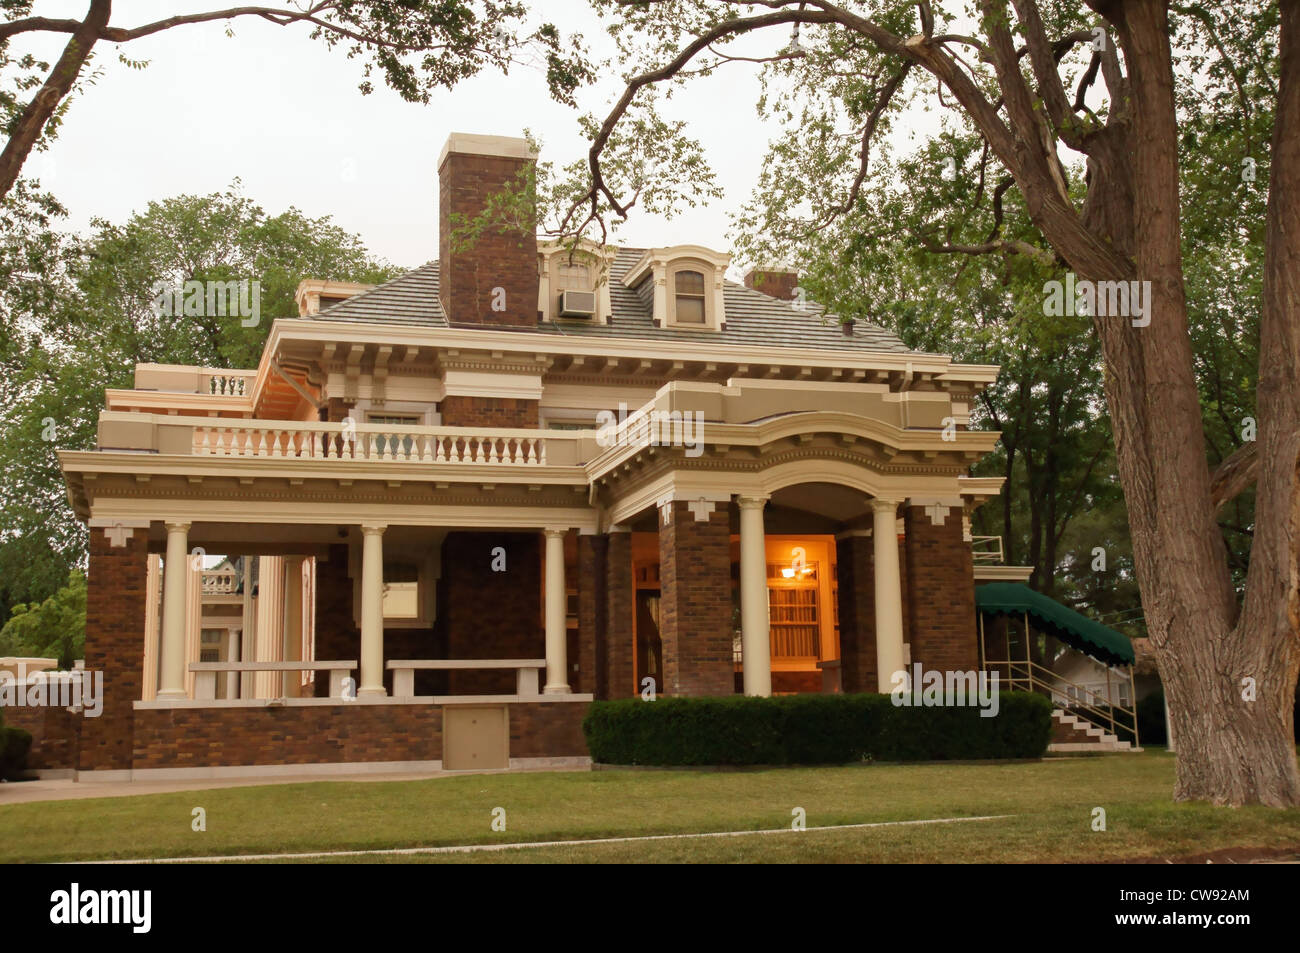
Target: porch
(293, 592)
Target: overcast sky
(283, 114)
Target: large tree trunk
(1252, 731)
(1230, 750)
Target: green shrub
(811, 729)
(14, 745)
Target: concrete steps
(1070, 733)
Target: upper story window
(581, 271)
(681, 286)
(688, 288)
(573, 276)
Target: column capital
(177, 526)
(751, 501)
(880, 505)
(552, 532)
(373, 529)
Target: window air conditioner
(577, 304)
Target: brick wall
(55, 732)
(330, 734)
(115, 611)
(547, 730)
(499, 259)
(619, 649)
(337, 636)
(590, 677)
(489, 412)
(491, 614)
(695, 610)
(854, 557)
(317, 734)
(940, 592)
(777, 284)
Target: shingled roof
(753, 318)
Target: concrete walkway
(66, 789)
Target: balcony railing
(370, 442)
(238, 438)
(987, 549)
(219, 582)
(229, 383)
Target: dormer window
(688, 300)
(681, 286)
(572, 283)
(573, 276)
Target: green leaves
(54, 628)
(76, 316)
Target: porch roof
(1072, 628)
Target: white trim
(458, 383)
(473, 144)
(262, 770)
(1003, 573)
(163, 704)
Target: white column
(171, 682)
(291, 650)
(557, 663)
(248, 631)
(757, 647)
(372, 611)
(889, 594)
(152, 623)
(231, 654)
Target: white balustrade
(219, 581)
(324, 441)
(228, 385)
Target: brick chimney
(493, 283)
(774, 281)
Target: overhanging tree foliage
(1076, 110)
(416, 45)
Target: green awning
(1072, 628)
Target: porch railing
(987, 549)
(205, 674)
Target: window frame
(708, 273)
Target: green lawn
(1053, 802)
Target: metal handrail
(1096, 714)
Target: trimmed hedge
(811, 729)
(14, 745)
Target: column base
(557, 690)
(379, 692)
(171, 695)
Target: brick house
(614, 468)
